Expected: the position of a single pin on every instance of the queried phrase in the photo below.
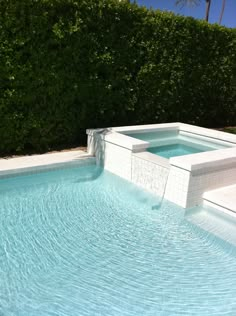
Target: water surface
(74, 246)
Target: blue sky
(229, 18)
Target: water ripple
(71, 247)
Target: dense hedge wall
(66, 65)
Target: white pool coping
(206, 161)
(18, 165)
(215, 134)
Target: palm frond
(183, 3)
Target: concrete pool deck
(49, 161)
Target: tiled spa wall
(186, 188)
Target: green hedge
(66, 65)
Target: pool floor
(84, 242)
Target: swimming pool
(82, 241)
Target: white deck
(42, 162)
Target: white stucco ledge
(44, 162)
(126, 141)
(147, 128)
(207, 161)
(176, 126)
(224, 197)
(202, 131)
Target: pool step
(214, 221)
(223, 199)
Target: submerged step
(224, 198)
(214, 221)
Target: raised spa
(177, 161)
(169, 144)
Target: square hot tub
(174, 160)
(175, 143)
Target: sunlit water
(73, 246)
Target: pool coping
(44, 162)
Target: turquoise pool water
(169, 151)
(85, 242)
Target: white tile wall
(149, 175)
(187, 190)
(177, 186)
(208, 181)
(117, 160)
